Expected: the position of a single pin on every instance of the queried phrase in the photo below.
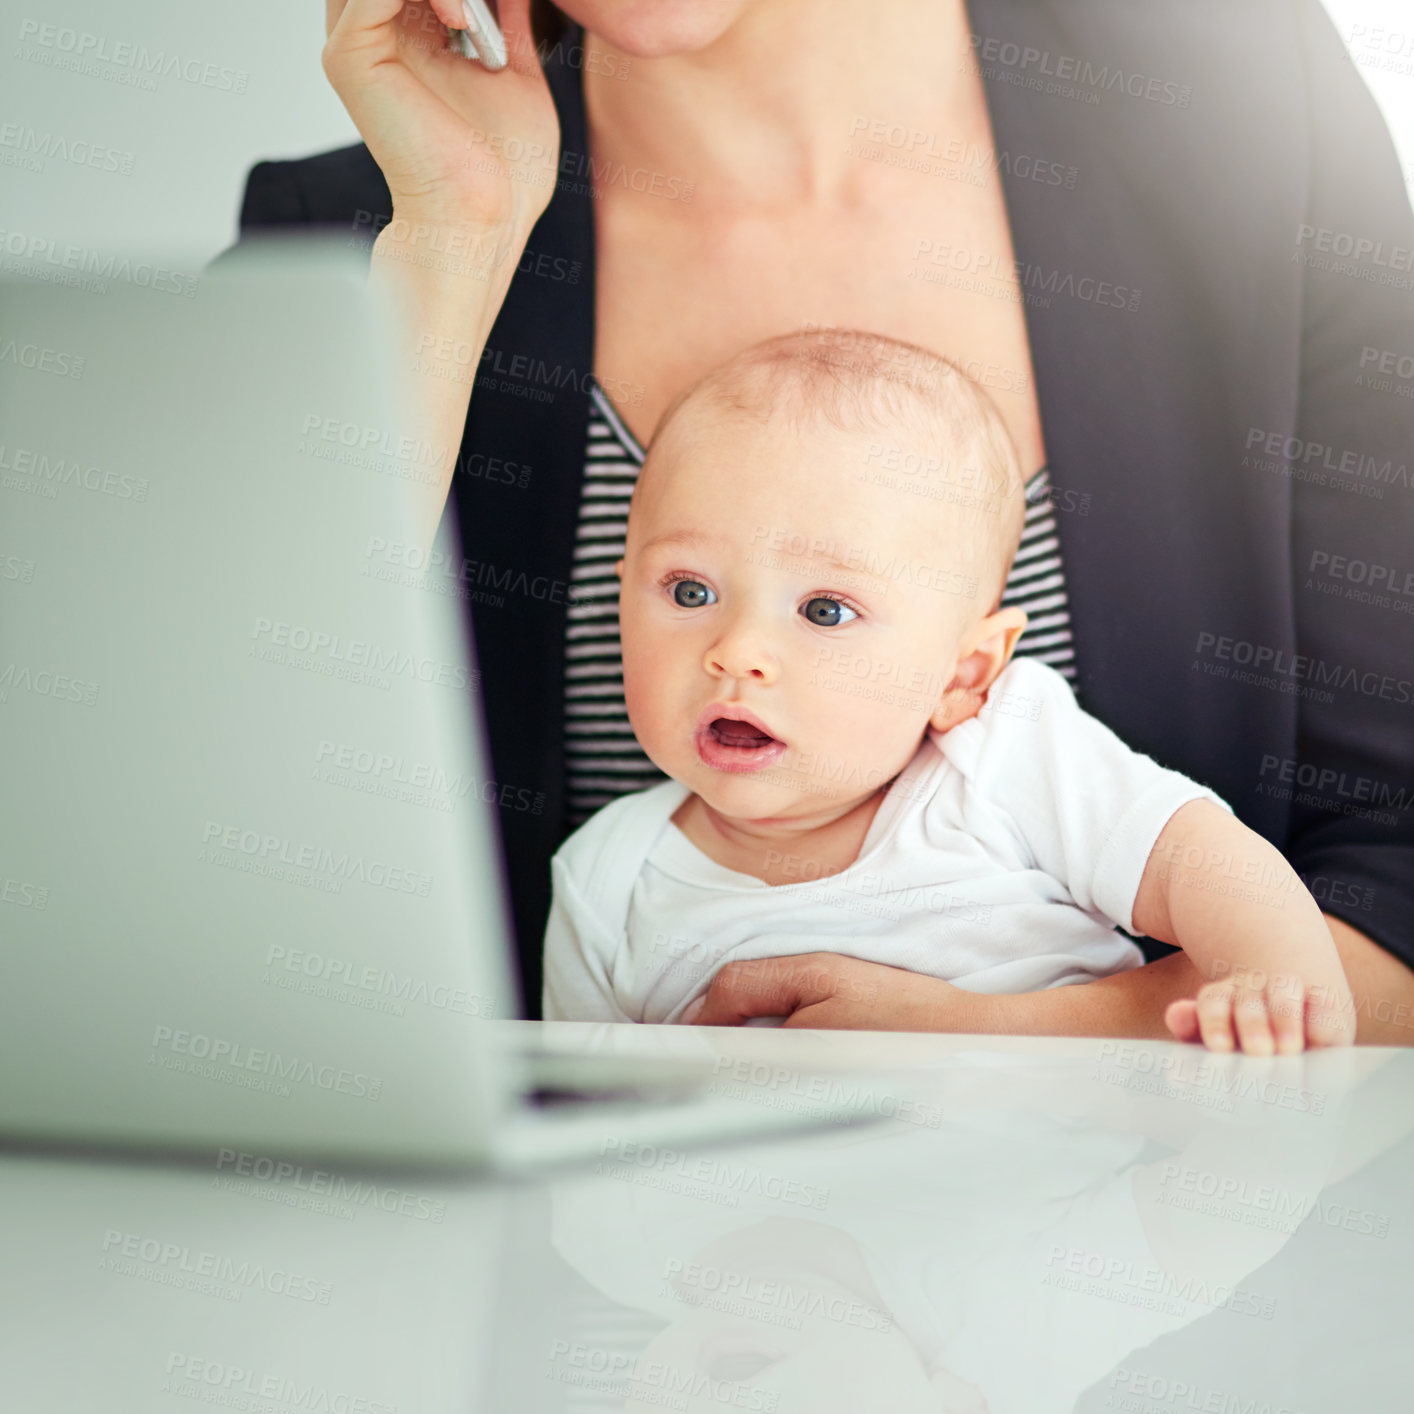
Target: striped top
(603, 758)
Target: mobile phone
(482, 38)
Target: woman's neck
(773, 104)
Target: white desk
(1042, 1226)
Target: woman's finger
(332, 10)
(773, 986)
(513, 20)
(361, 33)
(349, 18)
(514, 17)
(364, 33)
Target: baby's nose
(744, 654)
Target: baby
(815, 651)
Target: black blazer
(1215, 246)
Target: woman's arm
(832, 992)
(842, 993)
(442, 314)
(1351, 774)
(470, 161)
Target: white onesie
(1002, 859)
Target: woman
(1126, 222)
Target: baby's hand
(1264, 1015)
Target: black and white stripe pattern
(1036, 583)
(603, 759)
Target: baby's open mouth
(727, 744)
(733, 733)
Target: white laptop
(250, 888)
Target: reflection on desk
(1032, 1226)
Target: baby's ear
(619, 568)
(959, 703)
(985, 651)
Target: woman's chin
(655, 29)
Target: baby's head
(816, 551)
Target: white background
(191, 144)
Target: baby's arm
(1231, 901)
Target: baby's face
(789, 625)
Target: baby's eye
(827, 613)
(692, 593)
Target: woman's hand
(834, 993)
(831, 992)
(457, 144)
